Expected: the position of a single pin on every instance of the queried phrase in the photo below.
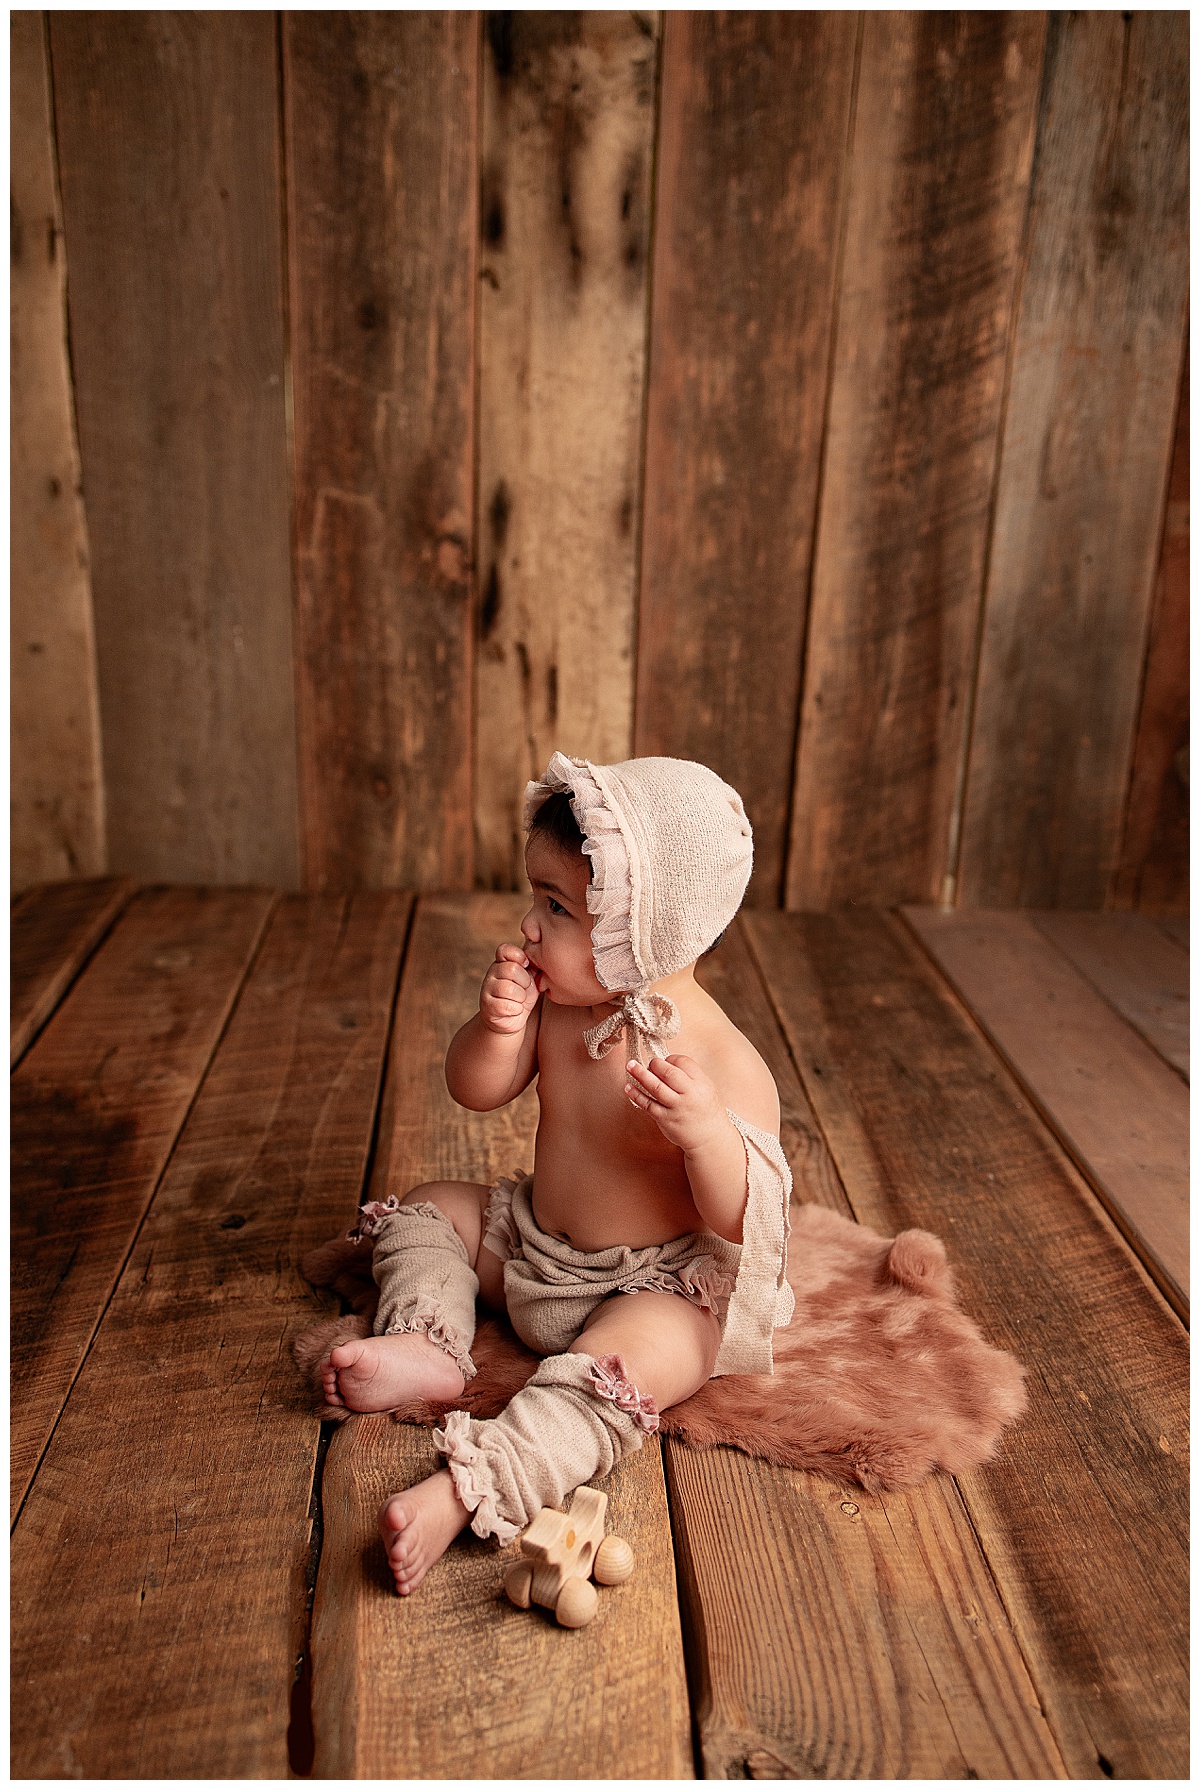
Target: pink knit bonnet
(671, 851)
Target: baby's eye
(554, 906)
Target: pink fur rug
(879, 1379)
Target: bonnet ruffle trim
(610, 896)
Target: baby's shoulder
(742, 1078)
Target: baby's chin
(571, 997)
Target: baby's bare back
(603, 1172)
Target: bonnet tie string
(652, 1017)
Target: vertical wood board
(1083, 1515)
(54, 932)
(96, 1107)
(392, 1676)
(381, 128)
(189, 1436)
(566, 181)
(754, 116)
(1153, 873)
(938, 186)
(1084, 464)
(57, 817)
(168, 139)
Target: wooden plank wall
(57, 782)
(793, 391)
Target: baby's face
(558, 928)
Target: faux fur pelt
(879, 1379)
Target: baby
(647, 1250)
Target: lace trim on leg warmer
(372, 1215)
(472, 1478)
(609, 1379)
(427, 1315)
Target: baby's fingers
(511, 954)
(675, 1072)
(653, 1086)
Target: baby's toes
(329, 1383)
(393, 1520)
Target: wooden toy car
(562, 1550)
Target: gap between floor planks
(96, 1105)
(55, 929)
(1082, 1513)
(1119, 1110)
(188, 1435)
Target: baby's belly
(593, 1195)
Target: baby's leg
(668, 1345)
(579, 1415)
(430, 1263)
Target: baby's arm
(690, 1113)
(494, 1056)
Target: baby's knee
(668, 1345)
(457, 1201)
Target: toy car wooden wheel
(576, 1603)
(614, 1561)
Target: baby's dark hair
(556, 820)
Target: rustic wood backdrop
(799, 392)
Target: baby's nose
(529, 930)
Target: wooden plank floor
(1069, 1000)
(214, 1081)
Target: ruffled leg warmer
(574, 1420)
(426, 1282)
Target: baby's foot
(378, 1372)
(418, 1526)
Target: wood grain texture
(381, 141)
(1119, 1110)
(1083, 1516)
(54, 932)
(188, 1438)
(1138, 971)
(755, 111)
(57, 816)
(938, 187)
(1177, 928)
(1153, 873)
(832, 1634)
(1084, 464)
(847, 1636)
(455, 1682)
(566, 158)
(392, 1677)
(96, 1107)
(168, 139)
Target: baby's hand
(680, 1099)
(509, 993)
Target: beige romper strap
(762, 1300)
